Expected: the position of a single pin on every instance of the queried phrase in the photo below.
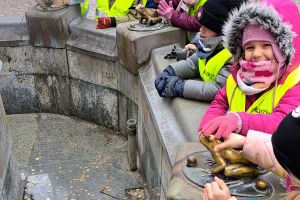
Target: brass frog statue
(229, 160)
(148, 14)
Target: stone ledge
(13, 31)
(86, 39)
(139, 45)
(169, 123)
(176, 119)
(50, 29)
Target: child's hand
(222, 126)
(216, 190)
(233, 141)
(189, 47)
(164, 9)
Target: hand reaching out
(232, 141)
(165, 9)
(216, 190)
(222, 126)
(190, 47)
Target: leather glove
(165, 10)
(106, 22)
(222, 126)
(160, 80)
(173, 88)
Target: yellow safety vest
(84, 8)
(237, 99)
(209, 71)
(119, 8)
(192, 12)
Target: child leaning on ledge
(264, 86)
(210, 63)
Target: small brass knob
(211, 138)
(261, 184)
(191, 161)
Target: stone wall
(11, 186)
(59, 63)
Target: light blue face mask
(206, 46)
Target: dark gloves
(106, 22)
(161, 79)
(168, 84)
(173, 88)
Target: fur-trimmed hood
(257, 13)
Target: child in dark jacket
(211, 62)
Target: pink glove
(223, 126)
(165, 10)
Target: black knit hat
(286, 143)
(215, 12)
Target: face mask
(255, 77)
(206, 46)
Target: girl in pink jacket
(272, 152)
(264, 84)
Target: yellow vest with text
(237, 99)
(210, 69)
(193, 12)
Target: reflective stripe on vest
(209, 71)
(119, 8)
(237, 99)
(192, 12)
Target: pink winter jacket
(267, 123)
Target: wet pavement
(68, 158)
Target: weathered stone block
(86, 39)
(134, 48)
(148, 164)
(19, 93)
(16, 60)
(54, 94)
(93, 70)
(50, 29)
(127, 83)
(95, 103)
(13, 31)
(13, 185)
(50, 61)
(10, 180)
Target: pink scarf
(255, 77)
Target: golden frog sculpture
(148, 14)
(238, 166)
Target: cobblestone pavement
(18, 7)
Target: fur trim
(262, 14)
